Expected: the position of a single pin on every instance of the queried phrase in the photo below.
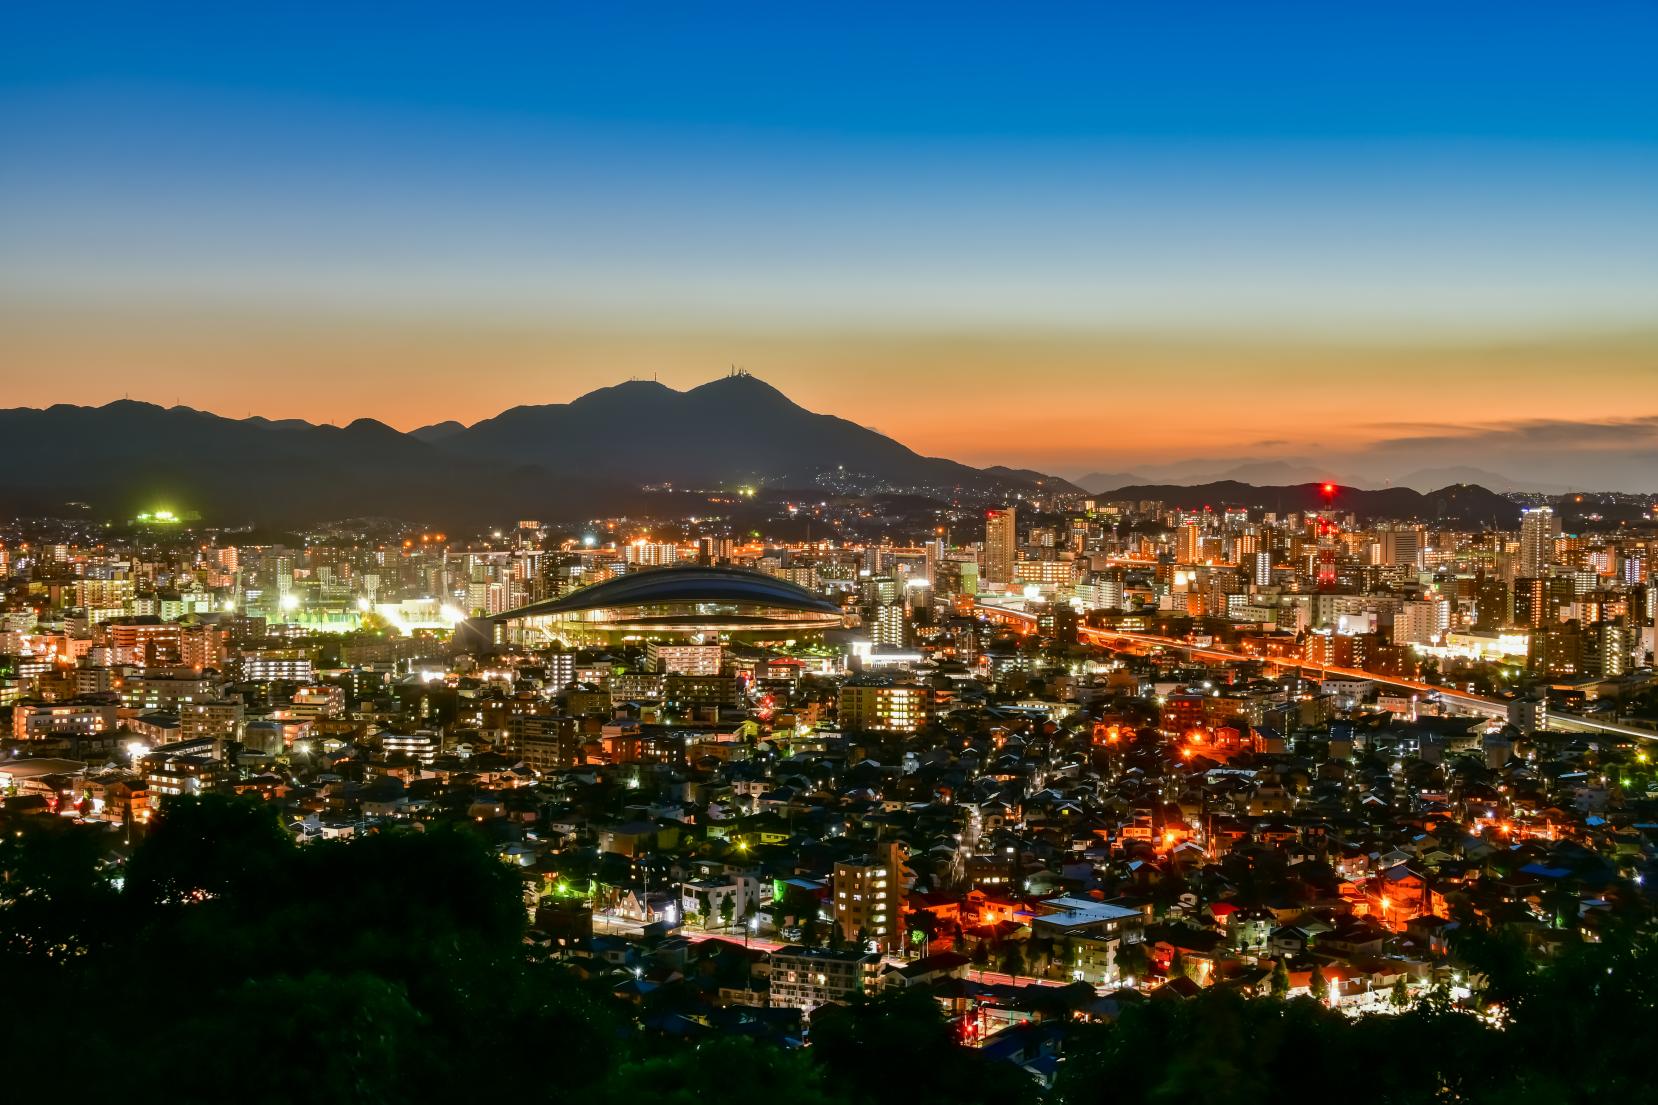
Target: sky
(1106, 237)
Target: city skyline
(921, 554)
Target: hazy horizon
(1550, 456)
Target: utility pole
(645, 895)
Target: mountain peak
(370, 426)
(628, 391)
(740, 385)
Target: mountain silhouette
(1461, 504)
(582, 459)
(730, 431)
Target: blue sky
(1567, 72)
(1374, 173)
(1274, 164)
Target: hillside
(127, 456)
(570, 460)
(1459, 504)
(734, 430)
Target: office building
(1001, 543)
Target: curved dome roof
(689, 585)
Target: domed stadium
(674, 604)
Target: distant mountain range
(582, 459)
(1294, 470)
(1461, 504)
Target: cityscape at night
(921, 555)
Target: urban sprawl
(1032, 771)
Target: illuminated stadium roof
(676, 603)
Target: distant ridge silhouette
(573, 460)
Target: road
(1463, 700)
(761, 943)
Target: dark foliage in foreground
(234, 965)
(1577, 1030)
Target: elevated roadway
(1466, 701)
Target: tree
(360, 1037)
(1318, 986)
(728, 909)
(1013, 958)
(209, 847)
(897, 1049)
(1560, 905)
(1280, 980)
(1399, 999)
(369, 963)
(694, 1075)
(1131, 961)
(55, 903)
(922, 927)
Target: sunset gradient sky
(1210, 229)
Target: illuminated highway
(1117, 640)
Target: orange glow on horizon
(336, 370)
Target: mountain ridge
(585, 458)
(1464, 504)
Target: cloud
(1613, 454)
(1604, 434)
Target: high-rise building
(1262, 564)
(869, 899)
(715, 550)
(1421, 622)
(1493, 605)
(1001, 542)
(1188, 547)
(1531, 602)
(651, 554)
(545, 742)
(889, 628)
(1400, 545)
(1538, 528)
